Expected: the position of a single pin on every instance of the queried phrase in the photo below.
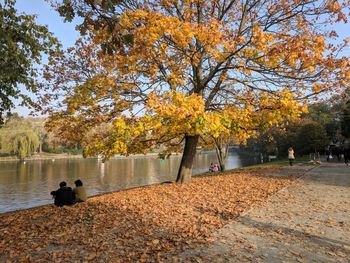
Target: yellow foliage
(210, 75)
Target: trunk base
(185, 176)
(185, 171)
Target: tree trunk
(222, 167)
(185, 171)
(221, 152)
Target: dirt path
(309, 221)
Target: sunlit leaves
(184, 114)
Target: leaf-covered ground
(153, 223)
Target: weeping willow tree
(18, 138)
(22, 143)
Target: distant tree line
(326, 123)
(23, 137)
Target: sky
(66, 33)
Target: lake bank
(28, 184)
(205, 174)
(151, 223)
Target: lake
(28, 184)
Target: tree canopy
(345, 120)
(22, 42)
(152, 73)
(311, 138)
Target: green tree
(277, 139)
(305, 135)
(311, 138)
(327, 114)
(17, 137)
(22, 43)
(333, 115)
(345, 120)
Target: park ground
(266, 214)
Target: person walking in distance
(347, 156)
(291, 155)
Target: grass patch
(278, 162)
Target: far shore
(54, 156)
(57, 156)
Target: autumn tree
(150, 73)
(22, 42)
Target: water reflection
(29, 184)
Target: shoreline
(89, 197)
(48, 156)
(164, 218)
(206, 174)
(250, 168)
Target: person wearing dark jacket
(347, 156)
(63, 195)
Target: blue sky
(67, 34)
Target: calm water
(24, 185)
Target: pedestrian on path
(291, 155)
(329, 154)
(347, 156)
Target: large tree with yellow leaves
(166, 73)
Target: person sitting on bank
(211, 168)
(216, 168)
(63, 195)
(79, 192)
